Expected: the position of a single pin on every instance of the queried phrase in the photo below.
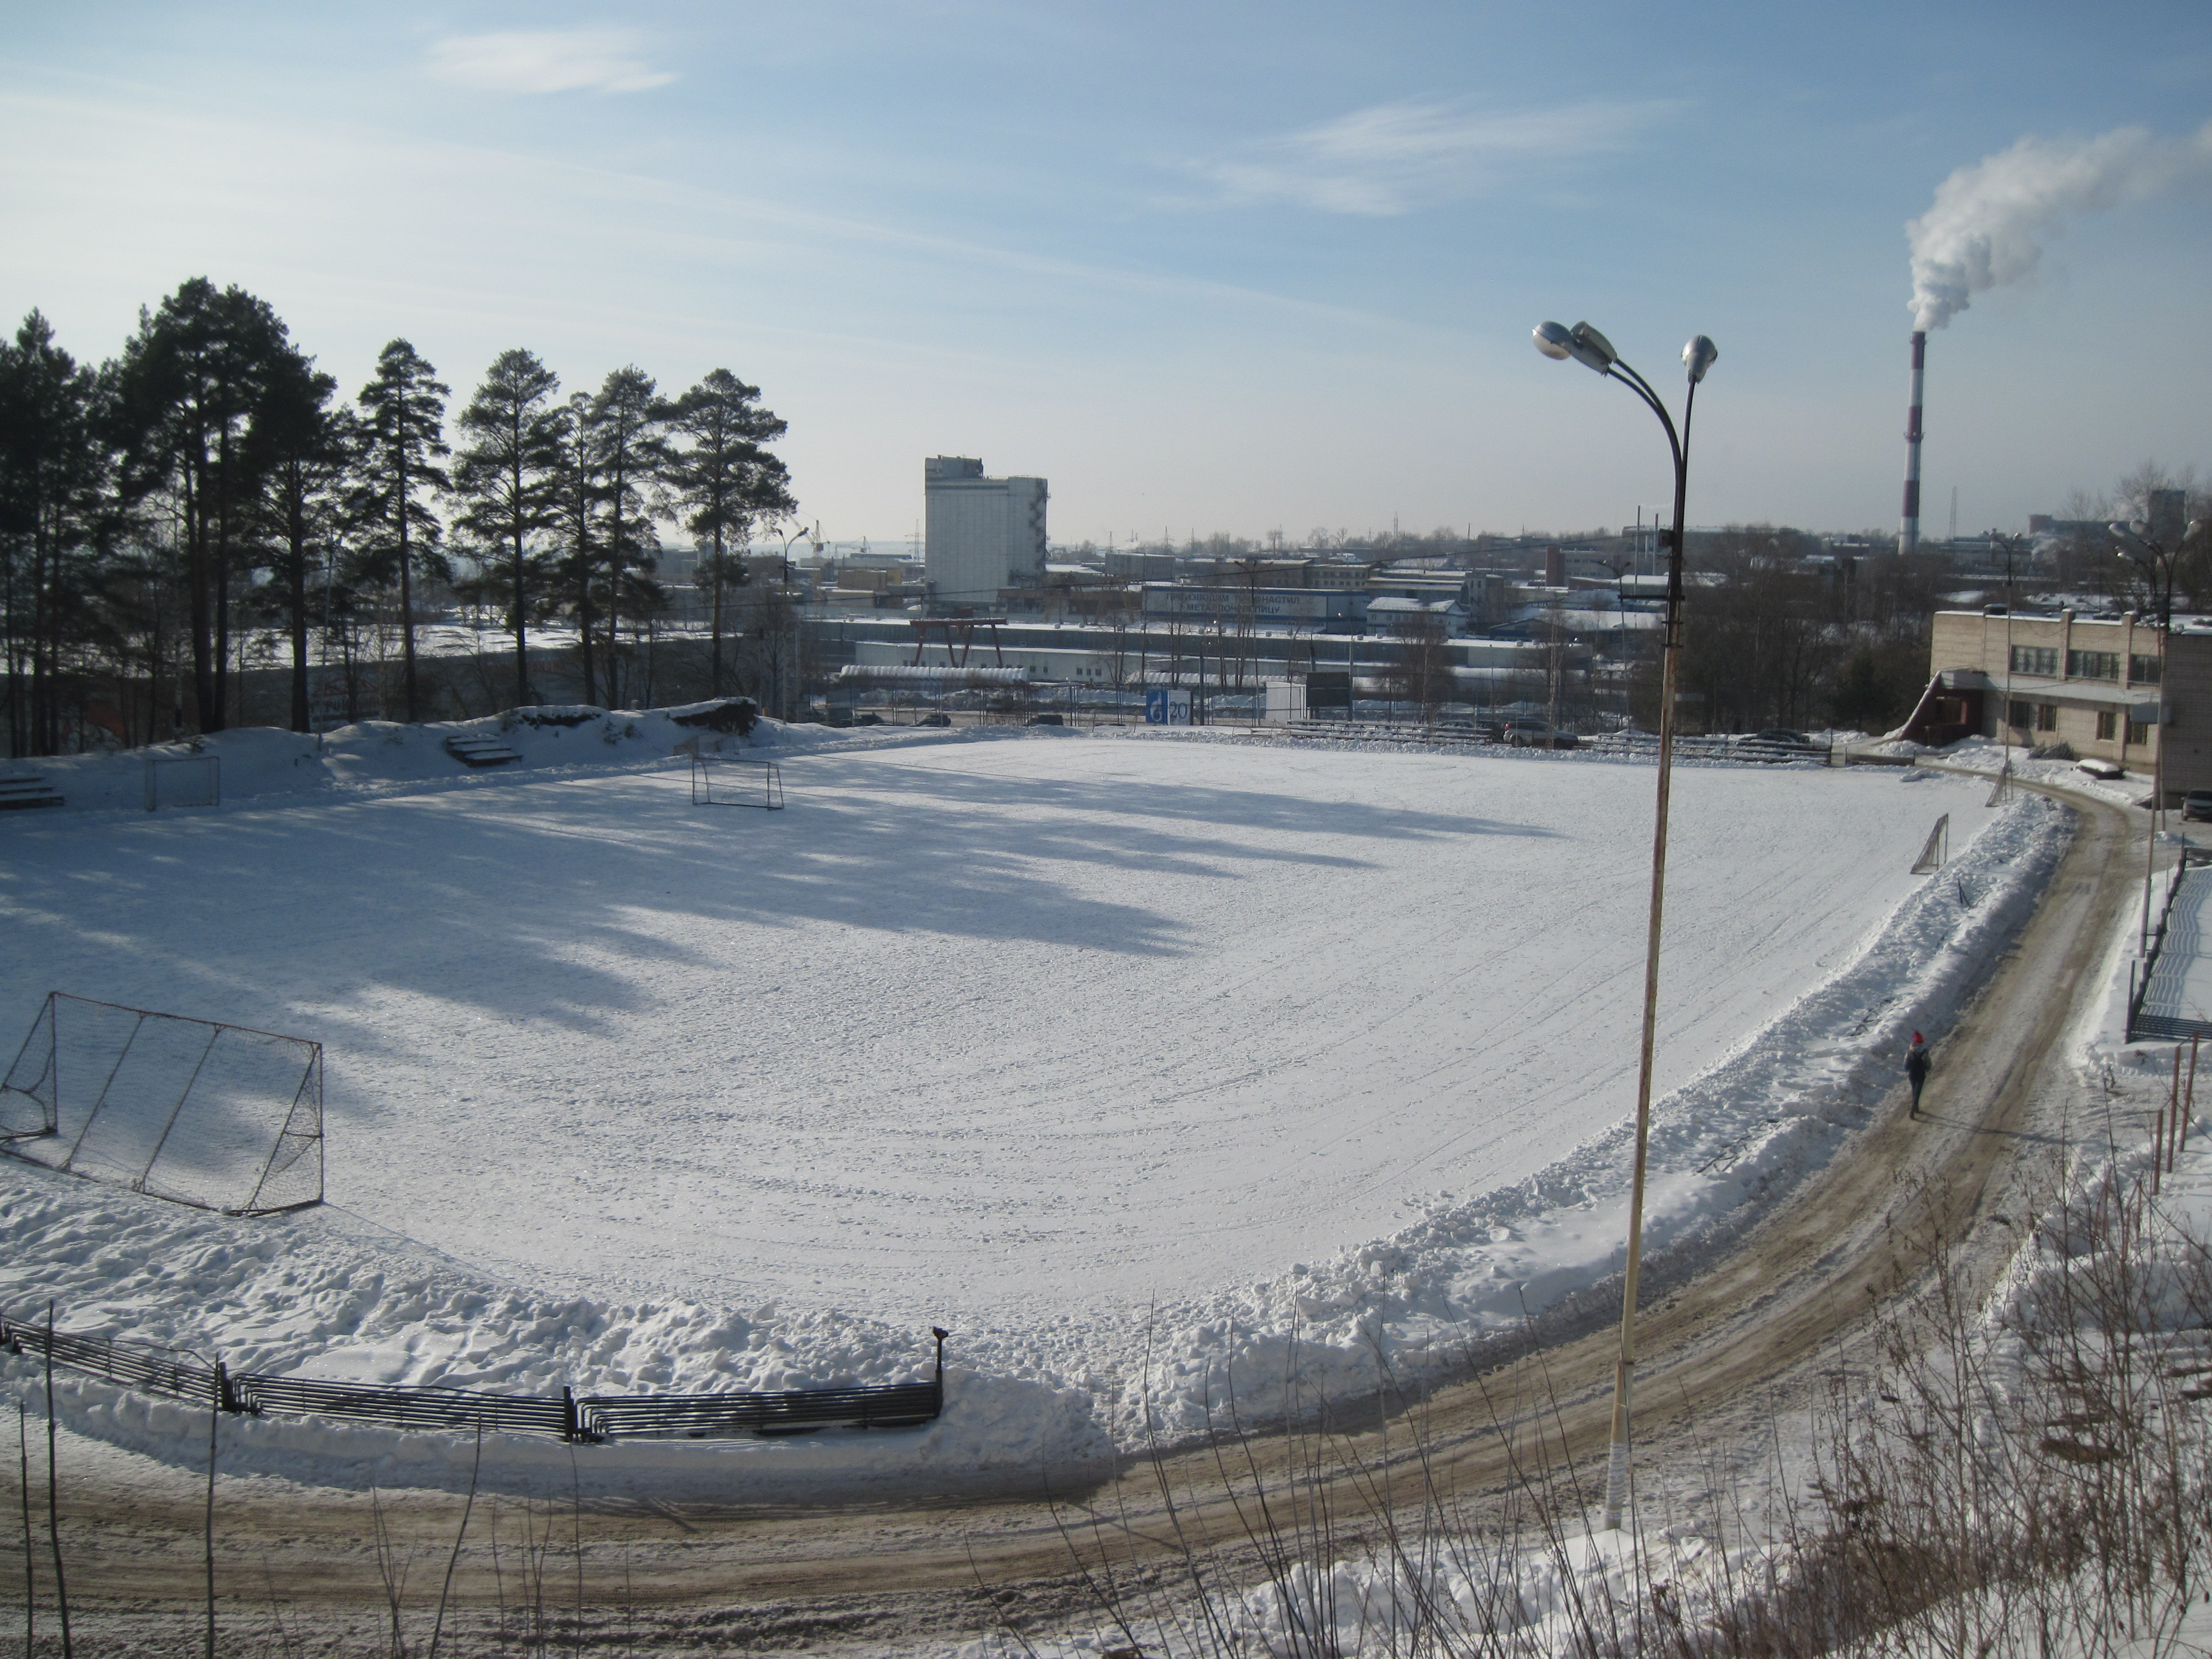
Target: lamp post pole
(1593, 350)
(2158, 563)
(782, 692)
(2009, 545)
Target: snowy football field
(982, 1031)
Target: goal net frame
(743, 782)
(31, 1101)
(1936, 852)
(165, 777)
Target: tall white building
(983, 534)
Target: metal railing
(565, 1416)
(1639, 745)
(2160, 1028)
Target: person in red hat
(1916, 1069)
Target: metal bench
(481, 751)
(27, 789)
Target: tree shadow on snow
(489, 900)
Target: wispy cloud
(546, 60)
(1396, 157)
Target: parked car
(2109, 771)
(867, 720)
(934, 717)
(1535, 734)
(1044, 720)
(1783, 734)
(2196, 803)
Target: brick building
(2108, 687)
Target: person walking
(1916, 1069)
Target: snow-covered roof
(1392, 602)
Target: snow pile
(1444, 1592)
(1983, 758)
(284, 1297)
(1723, 1150)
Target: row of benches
(23, 790)
(481, 752)
(27, 789)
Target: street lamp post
(2009, 546)
(776, 661)
(2159, 563)
(1593, 351)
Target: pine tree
(576, 493)
(53, 473)
(727, 480)
(627, 450)
(187, 387)
(403, 421)
(507, 473)
(304, 449)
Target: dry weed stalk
(2027, 1476)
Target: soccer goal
(221, 1116)
(729, 781)
(183, 780)
(1936, 852)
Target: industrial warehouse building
(982, 534)
(2109, 687)
(1170, 654)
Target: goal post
(219, 1116)
(28, 1103)
(1936, 852)
(183, 780)
(735, 780)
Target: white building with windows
(982, 534)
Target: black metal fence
(595, 1418)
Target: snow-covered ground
(1540, 1595)
(1132, 1061)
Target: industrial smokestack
(1987, 227)
(1908, 532)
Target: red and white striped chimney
(1908, 534)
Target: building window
(2108, 725)
(2035, 660)
(2019, 715)
(2047, 717)
(2144, 671)
(2093, 665)
(2138, 731)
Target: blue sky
(1205, 267)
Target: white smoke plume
(1988, 222)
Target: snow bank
(1445, 1593)
(292, 1299)
(1724, 1149)
(1983, 758)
